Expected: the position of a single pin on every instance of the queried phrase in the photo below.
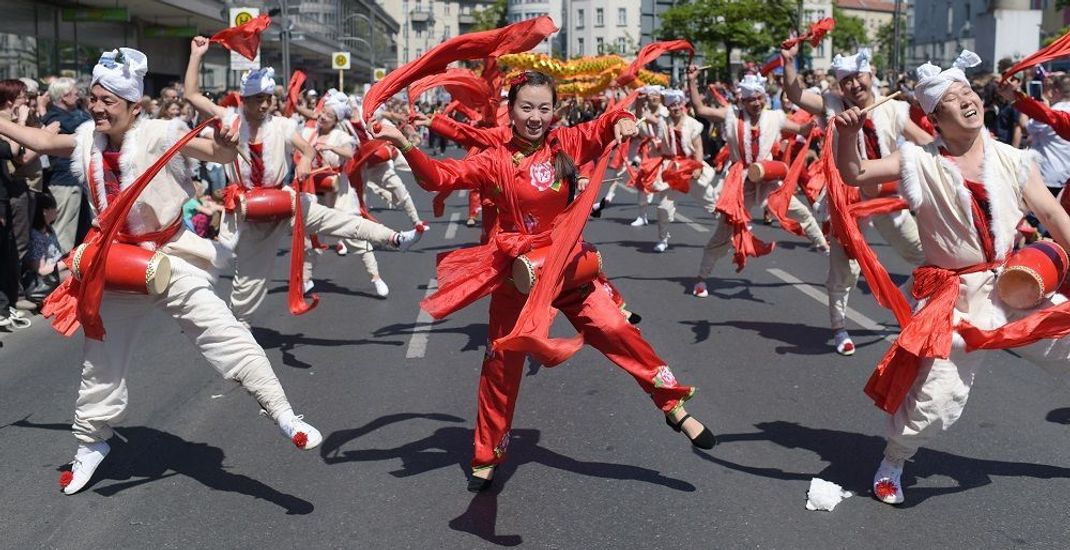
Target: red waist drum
(582, 270)
(325, 183)
(767, 170)
(130, 268)
(1032, 274)
(267, 204)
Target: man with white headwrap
(265, 145)
(383, 175)
(108, 154)
(968, 192)
(885, 125)
(682, 143)
(652, 117)
(334, 147)
(751, 131)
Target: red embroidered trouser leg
(596, 317)
(475, 204)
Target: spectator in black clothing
(69, 195)
(1001, 118)
(9, 255)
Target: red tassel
(300, 439)
(885, 489)
(66, 478)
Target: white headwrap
(337, 102)
(122, 72)
(752, 85)
(260, 81)
(933, 82)
(857, 63)
(652, 89)
(672, 97)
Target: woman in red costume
(531, 178)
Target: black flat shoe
(478, 484)
(704, 440)
(634, 318)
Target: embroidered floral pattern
(503, 446)
(542, 175)
(665, 378)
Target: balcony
(466, 19)
(421, 16)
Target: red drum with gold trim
(267, 204)
(767, 170)
(583, 269)
(130, 268)
(1032, 274)
(325, 182)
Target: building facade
(598, 27)
(519, 10)
(995, 29)
(424, 24)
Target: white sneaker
(405, 239)
(700, 290)
(308, 285)
(662, 245)
(85, 463)
(380, 288)
(301, 433)
(640, 221)
(844, 345)
(341, 249)
(887, 487)
(18, 318)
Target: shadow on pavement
(476, 332)
(148, 455)
(1059, 416)
(450, 447)
(287, 343)
(717, 286)
(801, 339)
(647, 247)
(852, 458)
(327, 286)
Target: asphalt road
(592, 464)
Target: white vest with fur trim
(690, 129)
(935, 191)
(160, 204)
(889, 120)
(770, 124)
(274, 134)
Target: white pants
(203, 317)
(899, 230)
(258, 244)
(384, 176)
(721, 242)
(702, 190)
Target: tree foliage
(753, 26)
(850, 32)
(491, 17)
(886, 45)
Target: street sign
(378, 74)
(240, 16)
(340, 61)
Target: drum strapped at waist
(1032, 274)
(766, 171)
(583, 268)
(130, 268)
(267, 204)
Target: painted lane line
(421, 331)
(692, 223)
(823, 298)
(451, 229)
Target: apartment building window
(622, 16)
(419, 52)
(579, 19)
(446, 33)
(601, 45)
(446, 8)
(622, 44)
(579, 46)
(599, 17)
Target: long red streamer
(243, 39)
(649, 53)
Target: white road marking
(692, 223)
(823, 298)
(451, 229)
(418, 341)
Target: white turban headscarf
(672, 97)
(337, 102)
(752, 85)
(651, 89)
(260, 81)
(934, 82)
(122, 72)
(857, 63)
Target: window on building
(622, 16)
(950, 18)
(622, 44)
(600, 43)
(579, 18)
(579, 46)
(419, 52)
(446, 8)
(599, 17)
(446, 33)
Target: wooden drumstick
(883, 100)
